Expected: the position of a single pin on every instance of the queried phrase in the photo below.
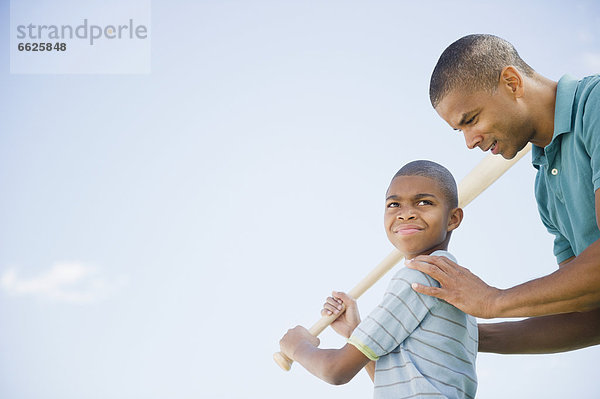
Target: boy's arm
(335, 366)
(348, 321)
(370, 368)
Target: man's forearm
(575, 287)
(548, 334)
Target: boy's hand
(294, 338)
(347, 322)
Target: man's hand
(459, 286)
(296, 337)
(347, 322)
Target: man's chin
(510, 153)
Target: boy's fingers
(338, 296)
(335, 302)
(327, 307)
(331, 306)
(345, 298)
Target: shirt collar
(563, 113)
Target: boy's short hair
(473, 62)
(436, 172)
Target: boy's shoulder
(410, 276)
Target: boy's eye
(392, 205)
(424, 202)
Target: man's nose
(471, 139)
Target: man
(482, 87)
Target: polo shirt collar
(563, 112)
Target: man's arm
(335, 366)
(547, 334)
(573, 288)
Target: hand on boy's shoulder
(400, 290)
(416, 276)
(419, 277)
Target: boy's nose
(406, 215)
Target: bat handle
(283, 361)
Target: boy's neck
(428, 252)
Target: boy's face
(417, 217)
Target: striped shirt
(423, 346)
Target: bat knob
(283, 361)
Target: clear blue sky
(160, 232)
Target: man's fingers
(428, 268)
(444, 264)
(431, 291)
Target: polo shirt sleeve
(562, 246)
(591, 132)
(397, 316)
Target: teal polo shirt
(568, 169)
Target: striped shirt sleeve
(399, 313)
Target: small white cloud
(71, 282)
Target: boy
(412, 345)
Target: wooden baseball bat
(481, 177)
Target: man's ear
(511, 80)
(456, 217)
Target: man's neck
(542, 100)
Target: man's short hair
(473, 63)
(435, 172)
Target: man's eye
(424, 202)
(470, 120)
(392, 205)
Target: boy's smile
(407, 229)
(417, 216)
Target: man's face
(417, 216)
(495, 122)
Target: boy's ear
(456, 217)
